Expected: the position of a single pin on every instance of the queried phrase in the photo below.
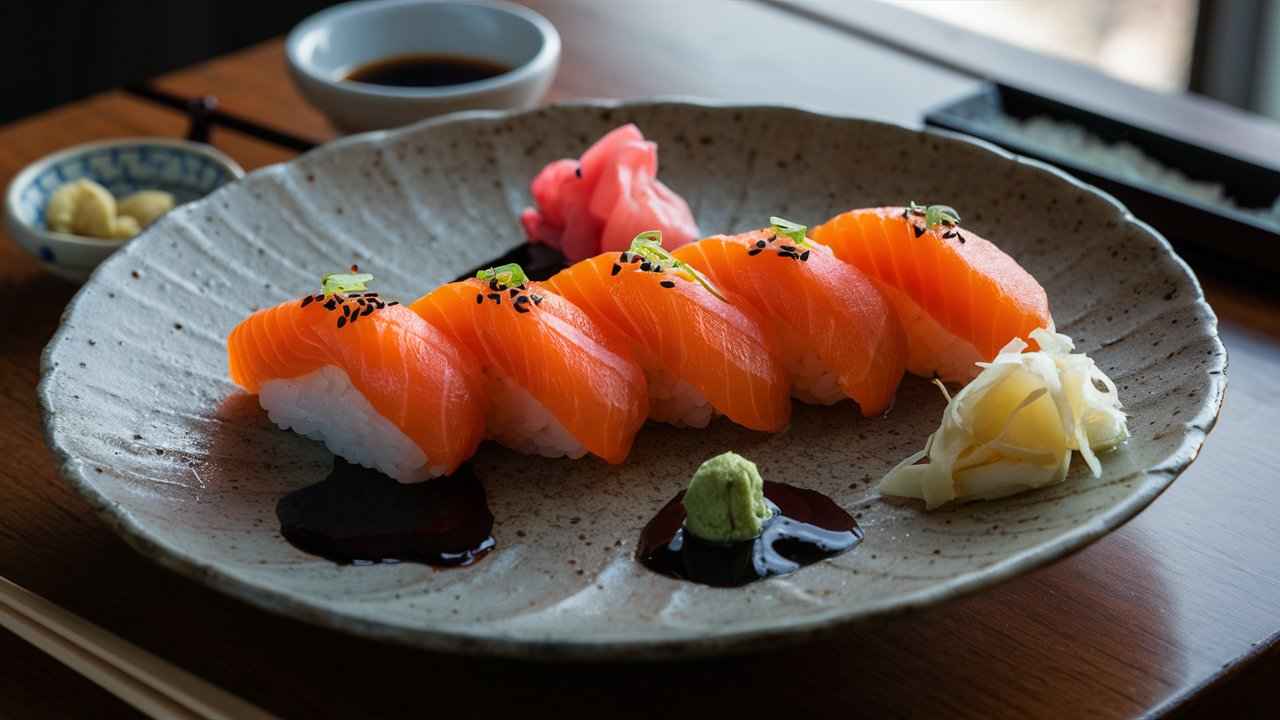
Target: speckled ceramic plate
(146, 424)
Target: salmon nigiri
(559, 383)
(701, 353)
(372, 380)
(838, 334)
(959, 297)
(603, 200)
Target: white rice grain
(323, 405)
(676, 402)
(517, 420)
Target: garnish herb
(793, 230)
(511, 275)
(648, 246)
(343, 283)
(935, 215)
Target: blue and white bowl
(187, 170)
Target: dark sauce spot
(357, 515)
(807, 526)
(539, 262)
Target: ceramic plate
(141, 414)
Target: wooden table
(1179, 610)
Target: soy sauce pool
(426, 71)
(806, 527)
(360, 516)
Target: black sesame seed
(616, 269)
(307, 300)
(754, 251)
(906, 212)
(537, 299)
(397, 302)
(772, 238)
(667, 284)
(346, 311)
(789, 248)
(578, 171)
(359, 301)
(949, 235)
(493, 284)
(624, 257)
(495, 297)
(367, 309)
(959, 237)
(318, 297)
(522, 299)
(354, 318)
(342, 321)
(479, 298)
(521, 308)
(804, 256)
(331, 304)
(635, 259)
(918, 230)
(514, 292)
(645, 266)
(760, 244)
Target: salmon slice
(959, 297)
(534, 342)
(698, 351)
(838, 334)
(408, 371)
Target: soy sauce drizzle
(358, 516)
(807, 526)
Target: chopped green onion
(511, 275)
(340, 283)
(793, 230)
(648, 245)
(935, 215)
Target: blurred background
(57, 51)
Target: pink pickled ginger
(602, 201)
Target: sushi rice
(674, 401)
(517, 420)
(323, 405)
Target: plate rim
(784, 630)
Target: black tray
(1189, 223)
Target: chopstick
(145, 681)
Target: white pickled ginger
(1014, 427)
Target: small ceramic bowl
(327, 46)
(187, 170)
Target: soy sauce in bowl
(426, 70)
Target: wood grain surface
(1179, 610)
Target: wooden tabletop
(1179, 610)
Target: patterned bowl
(187, 170)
